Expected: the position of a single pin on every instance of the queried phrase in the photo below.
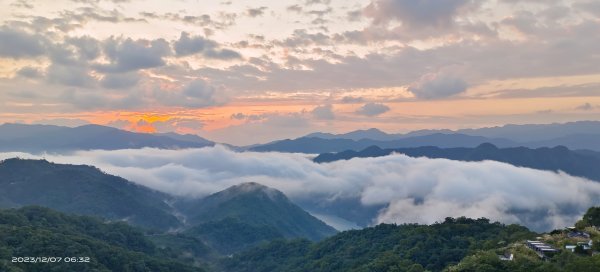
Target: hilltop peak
(250, 189)
(259, 206)
(250, 186)
(372, 130)
(487, 146)
(371, 133)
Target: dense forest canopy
(456, 244)
(41, 232)
(383, 248)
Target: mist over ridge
(412, 190)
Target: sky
(245, 72)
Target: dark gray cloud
(189, 45)
(255, 12)
(587, 107)
(72, 18)
(324, 112)
(221, 20)
(40, 24)
(419, 20)
(22, 4)
(29, 72)
(84, 15)
(81, 99)
(130, 55)
(590, 6)
(555, 13)
(120, 81)
(317, 2)
(20, 44)
(69, 58)
(349, 72)
(433, 86)
(423, 13)
(249, 117)
(73, 76)
(294, 8)
(352, 99)
(87, 48)
(199, 90)
(564, 51)
(222, 54)
(301, 38)
(354, 15)
(195, 94)
(318, 14)
(63, 55)
(578, 90)
(238, 116)
(373, 109)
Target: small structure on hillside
(506, 257)
(573, 232)
(578, 234)
(584, 245)
(542, 249)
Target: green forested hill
(40, 232)
(232, 235)
(260, 226)
(455, 245)
(82, 190)
(382, 248)
(247, 214)
(527, 261)
(228, 221)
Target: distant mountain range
(532, 133)
(318, 145)
(231, 220)
(576, 163)
(40, 138)
(516, 133)
(575, 135)
(250, 227)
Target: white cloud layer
(416, 190)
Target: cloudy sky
(252, 71)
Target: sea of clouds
(411, 190)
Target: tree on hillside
(592, 216)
